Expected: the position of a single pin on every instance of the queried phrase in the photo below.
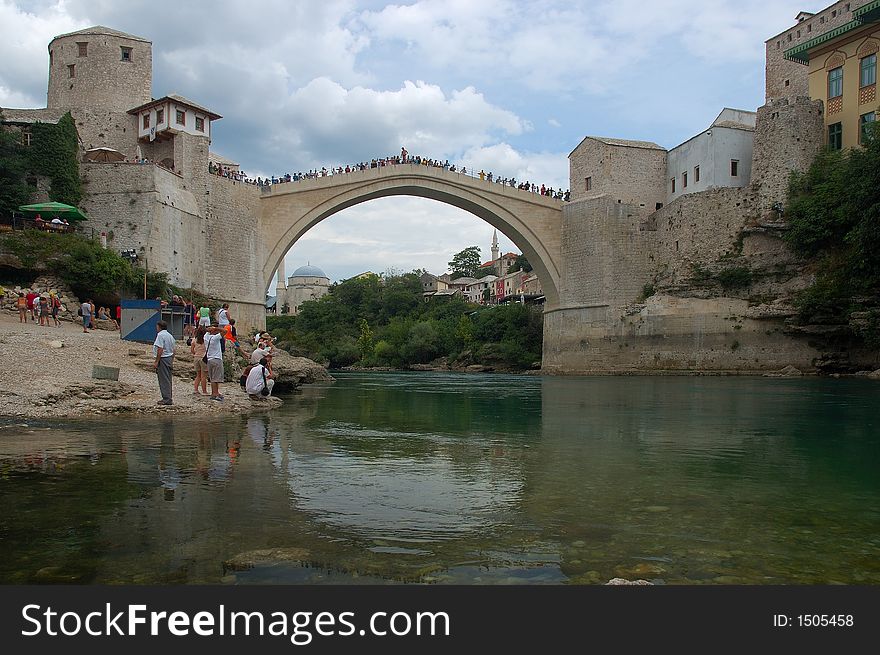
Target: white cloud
(327, 124)
(552, 122)
(24, 37)
(550, 169)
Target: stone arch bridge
(533, 222)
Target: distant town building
(437, 286)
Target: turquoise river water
(474, 479)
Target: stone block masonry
(234, 252)
(788, 136)
(146, 208)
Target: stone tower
(495, 252)
(98, 74)
(789, 134)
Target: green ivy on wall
(54, 153)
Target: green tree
(365, 341)
(466, 263)
(834, 218)
(520, 264)
(465, 331)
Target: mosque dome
(308, 271)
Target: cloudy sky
(506, 86)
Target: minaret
(495, 261)
(280, 278)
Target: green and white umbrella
(49, 210)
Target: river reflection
(463, 479)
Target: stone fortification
(148, 209)
(695, 229)
(605, 255)
(234, 252)
(632, 172)
(101, 78)
(789, 134)
(678, 257)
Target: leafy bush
(402, 329)
(86, 267)
(834, 218)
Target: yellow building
(843, 74)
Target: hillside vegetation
(385, 322)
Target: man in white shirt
(258, 379)
(215, 361)
(163, 351)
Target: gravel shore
(49, 374)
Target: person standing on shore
(21, 304)
(30, 302)
(215, 361)
(163, 351)
(44, 310)
(85, 310)
(223, 323)
(56, 306)
(198, 351)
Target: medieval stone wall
(695, 229)
(146, 208)
(234, 251)
(605, 254)
(631, 175)
(99, 128)
(788, 135)
(101, 80)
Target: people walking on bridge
(163, 351)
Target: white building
(720, 156)
(170, 115)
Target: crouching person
(260, 380)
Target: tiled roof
(100, 29)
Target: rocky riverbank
(48, 374)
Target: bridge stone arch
(531, 221)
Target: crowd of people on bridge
(403, 158)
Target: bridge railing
(266, 187)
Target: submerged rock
(788, 372)
(262, 557)
(623, 581)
